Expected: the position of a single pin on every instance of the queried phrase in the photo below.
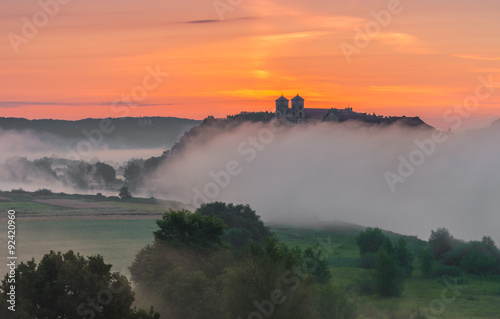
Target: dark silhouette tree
(105, 173)
(183, 228)
(242, 222)
(133, 174)
(441, 242)
(71, 286)
(124, 193)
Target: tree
(105, 173)
(370, 240)
(124, 193)
(71, 286)
(388, 275)
(194, 230)
(314, 259)
(441, 242)
(426, 262)
(269, 280)
(151, 164)
(44, 165)
(181, 270)
(240, 220)
(79, 174)
(404, 257)
(489, 243)
(334, 303)
(133, 173)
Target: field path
(71, 203)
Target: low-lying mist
(31, 145)
(22, 149)
(406, 180)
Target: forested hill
(129, 132)
(200, 132)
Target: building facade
(297, 112)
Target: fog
(20, 148)
(35, 145)
(330, 171)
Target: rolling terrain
(117, 229)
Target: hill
(124, 133)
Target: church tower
(281, 107)
(298, 107)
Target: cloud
(217, 20)
(403, 42)
(14, 104)
(475, 57)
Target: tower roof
(282, 98)
(297, 98)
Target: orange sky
(90, 54)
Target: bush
(43, 192)
(478, 263)
(365, 285)
(479, 258)
(333, 303)
(448, 271)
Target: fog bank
(339, 172)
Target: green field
(119, 239)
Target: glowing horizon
(423, 59)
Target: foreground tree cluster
(443, 256)
(448, 256)
(391, 263)
(218, 262)
(222, 262)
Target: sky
(73, 59)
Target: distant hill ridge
(128, 132)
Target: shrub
(479, 258)
(43, 192)
(333, 303)
(365, 285)
(448, 271)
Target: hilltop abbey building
(298, 114)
